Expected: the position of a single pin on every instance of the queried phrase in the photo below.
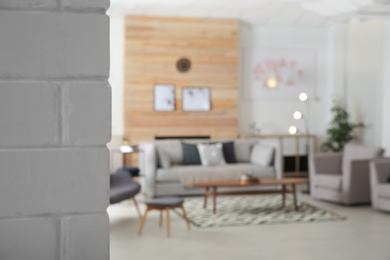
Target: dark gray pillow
(190, 154)
(228, 152)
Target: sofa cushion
(231, 171)
(169, 153)
(384, 190)
(211, 154)
(243, 148)
(358, 152)
(328, 181)
(190, 154)
(262, 154)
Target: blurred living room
(282, 102)
(194, 129)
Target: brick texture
(61, 48)
(28, 114)
(80, 230)
(86, 108)
(86, 3)
(28, 238)
(54, 181)
(28, 3)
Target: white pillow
(211, 154)
(262, 154)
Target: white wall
(55, 121)
(385, 115)
(276, 116)
(364, 76)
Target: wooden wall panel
(153, 46)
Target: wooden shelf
(297, 137)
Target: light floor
(365, 235)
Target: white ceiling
(261, 12)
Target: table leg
(206, 191)
(143, 222)
(161, 218)
(295, 197)
(168, 223)
(283, 195)
(214, 200)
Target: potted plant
(341, 131)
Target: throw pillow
(262, 155)
(228, 152)
(190, 154)
(243, 148)
(164, 159)
(211, 154)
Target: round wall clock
(183, 65)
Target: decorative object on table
(343, 177)
(254, 129)
(164, 204)
(164, 97)
(254, 210)
(248, 178)
(341, 130)
(278, 74)
(196, 99)
(183, 65)
(126, 147)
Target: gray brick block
(28, 238)
(86, 113)
(53, 45)
(53, 181)
(87, 237)
(28, 114)
(86, 3)
(28, 3)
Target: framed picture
(164, 97)
(196, 99)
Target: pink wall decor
(293, 70)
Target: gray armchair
(344, 177)
(122, 186)
(380, 186)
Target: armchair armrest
(356, 181)
(327, 163)
(380, 169)
(148, 166)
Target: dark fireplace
(182, 137)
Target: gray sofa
(174, 179)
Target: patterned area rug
(252, 210)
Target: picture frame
(196, 99)
(164, 97)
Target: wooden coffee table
(284, 182)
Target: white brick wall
(54, 124)
(28, 3)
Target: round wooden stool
(164, 204)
